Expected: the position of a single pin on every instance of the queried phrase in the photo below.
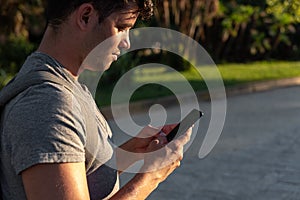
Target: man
(54, 142)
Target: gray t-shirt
(48, 123)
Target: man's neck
(62, 47)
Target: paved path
(257, 156)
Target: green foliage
(284, 11)
(230, 30)
(19, 35)
(14, 52)
(12, 55)
(239, 15)
(4, 77)
(253, 30)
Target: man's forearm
(139, 187)
(126, 157)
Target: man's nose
(125, 42)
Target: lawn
(153, 78)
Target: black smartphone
(185, 124)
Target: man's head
(80, 28)
(57, 11)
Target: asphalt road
(257, 156)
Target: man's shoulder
(39, 79)
(40, 101)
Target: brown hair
(58, 10)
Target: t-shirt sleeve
(45, 125)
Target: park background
(257, 155)
(248, 40)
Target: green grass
(153, 78)
(259, 71)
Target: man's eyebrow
(132, 14)
(124, 25)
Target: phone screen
(185, 124)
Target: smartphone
(185, 124)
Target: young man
(54, 141)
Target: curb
(144, 105)
(262, 86)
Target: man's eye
(122, 29)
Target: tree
(23, 25)
(21, 18)
(285, 15)
(250, 30)
(187, 16)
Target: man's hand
(162, 157)
(160, 160)
(135, 148)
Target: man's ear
(84, 15)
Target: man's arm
(68, 180)
(56, 181)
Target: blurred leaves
(230, 30)
(22, 24)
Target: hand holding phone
(185, 124)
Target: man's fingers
(155, 145)
(148, 131)
(168, 128)
(162, 138)
(185, 138)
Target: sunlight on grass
(258, 71)
(232, 74)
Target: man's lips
(116, 55)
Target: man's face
(110, 36)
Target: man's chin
(99, 67)
(107, 66)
